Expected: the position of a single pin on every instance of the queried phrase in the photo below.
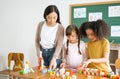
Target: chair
(15, 57)
(12, 56)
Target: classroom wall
(18, 23)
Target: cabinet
(114, 54)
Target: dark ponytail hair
(50, 9)
(69, 30)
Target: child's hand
(81, 66)
(62, 65)
(85, 64)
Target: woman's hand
(53, 63)
(40, 57)
(40, 60)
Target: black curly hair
(99, 27)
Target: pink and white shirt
(74, 58)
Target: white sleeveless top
(48, 35)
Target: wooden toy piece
(52, 78)
(74, 77)
(117, 77)
(113, 76)
(80, 72)
(117, 71)
(63, 76)
(22, 72)
(49, 70)
(68, 77)
(102, 74)
(105, 75)
(39, 68)
(52, 75)
(41, 62)
(56, 69)
(98, 72)
(44, 70)
(109, 75)
(89, 77)
(27, 67)
(71, 72)
(73, 69)
(92, 71)
(62, 71)
(88, 72)
(32, 70)
(85, 73)
(67, 73)
(95, 71)
(57, 74)
(27, 62)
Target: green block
(80, 72)
(109, 75)
(22, 72)
(119, 71)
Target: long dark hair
(69, 30)
(50, 9)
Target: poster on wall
(114, 11)
(115, 31)
(95, 16)
(80, 13)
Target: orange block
(71, 72)
(39, 68)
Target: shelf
(112, 64)
(114, 54)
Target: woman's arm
(59, 42)
(37, 38)
(63, 64)
(58, 46)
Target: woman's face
(52, 18)
(91, 35)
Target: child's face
(52, 18)
(73, 38)
(91, 35)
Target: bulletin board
(108, 11)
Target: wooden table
(5, 74)
(40, 75)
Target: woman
(49, 37)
